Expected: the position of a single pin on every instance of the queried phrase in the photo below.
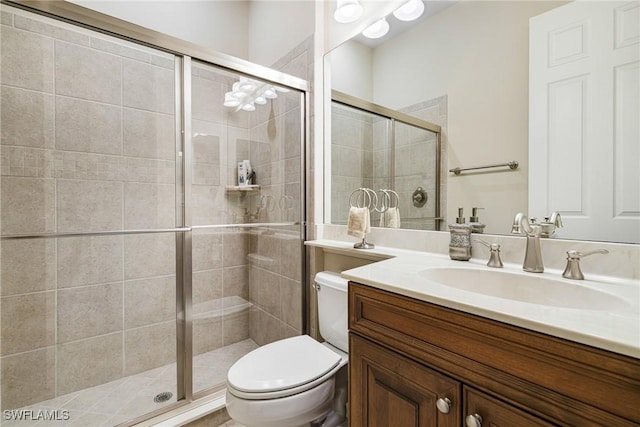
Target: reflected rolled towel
(390, 218)
(358, 222)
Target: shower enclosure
(134, 269)
(383, 149)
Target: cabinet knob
(474, 420)
(444, 405)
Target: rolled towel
(390, 218)
(358, 223)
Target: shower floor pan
(129, 397)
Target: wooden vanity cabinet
(409, 358)
(387, 389)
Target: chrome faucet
(533, 255)
(550, 224)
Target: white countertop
(614, 330)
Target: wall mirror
(393, 154)
(521, 81)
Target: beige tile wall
(275, 279)
(270, 138)
(99, 154)
(87, 145)
(414, 156)
(352, 157)
(220, 279)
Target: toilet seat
(283, 368)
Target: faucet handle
(572, 270)
(494, 256)
(555, 219)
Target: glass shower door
(361, 156)
(134, 269)
(247, 242)
(415, 165)
(88, 178)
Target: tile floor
(118, 401)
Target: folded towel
(358, 223)
(390, 218)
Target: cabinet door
(481, 410)
(389, 390)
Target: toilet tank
(332, 308)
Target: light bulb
(347, 11)
(409, 11)
(239, 94)
(247, 84)
(260, 100)
(230, 100)
(249, 107)
(270, 93)
(377, 29)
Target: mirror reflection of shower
(375, 147)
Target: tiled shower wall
(352, 156)
(415, 167)
(276, 256)
(415, 163)
(257, 278)
(87, 145)
(220, 272)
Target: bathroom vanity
(436, 342)
(413, 363)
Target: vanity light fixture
(347, 11)
(409, 11)
(246, 93)
(377, 29)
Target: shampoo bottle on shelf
(248, 172)
(242, 175)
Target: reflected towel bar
(512, 165)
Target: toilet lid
(282, 365)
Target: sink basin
(529, 288)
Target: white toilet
(297, 381)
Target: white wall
(261, 31)
(277, 26)
(351, 70)
(220, 25)
(477, 54)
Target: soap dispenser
(460, 244)
(476, 225)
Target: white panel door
(584, 119)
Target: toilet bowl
(296, 381)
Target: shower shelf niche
(246, 188)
